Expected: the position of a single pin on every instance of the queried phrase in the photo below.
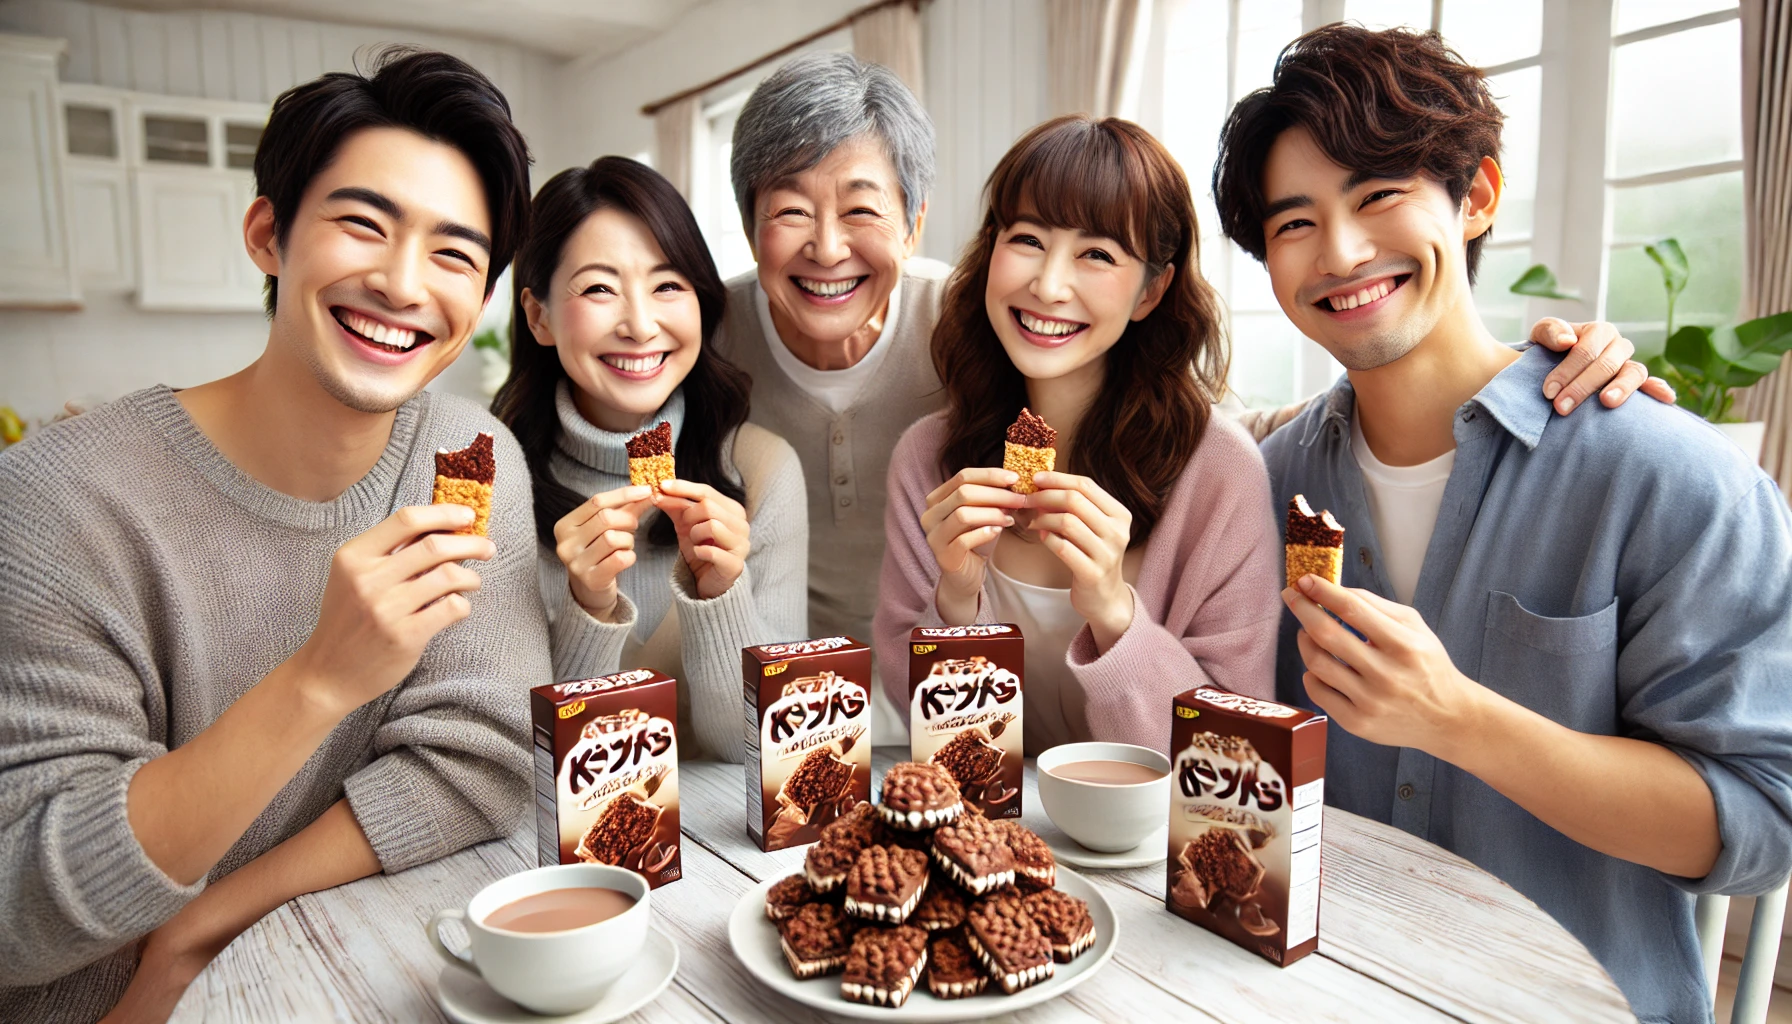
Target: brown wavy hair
(1110, 178)
(1387, 104)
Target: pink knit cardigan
(1205, 608)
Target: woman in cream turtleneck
(617, 292)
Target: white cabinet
(99, 188)
(37, 263)
(191, 164)
(187, 223)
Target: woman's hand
(1088, 530)
(712, 533)
(596, 541)
(1598, 360)
(963, 514)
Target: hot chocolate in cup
(562, 969)
(1106, 796)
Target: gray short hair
(811, 105)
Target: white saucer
(468, 999)
(1153, 850)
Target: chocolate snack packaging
(808, 723)
(606, 773)
(964, 710)
(1246, 804)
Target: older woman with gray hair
(833, 160)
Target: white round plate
(468, 999)
(1153, 850)
(755, 941)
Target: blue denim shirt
(1623, 572)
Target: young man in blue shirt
(1589, 703)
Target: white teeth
(373, 330)
(640, 364)
(827, 289)
(1052, 327)
(1340, 303)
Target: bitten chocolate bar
(808, 723)
(964, 710)
(606, 773)
(1246, 808)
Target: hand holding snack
(1088, 530)
(1398, 688)
(712, 533)
(596, 541)
(391, 590)
(963, 514)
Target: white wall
(111, 347)
(601, 100)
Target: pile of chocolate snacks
(923, 884)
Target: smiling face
(830, 242)
(1367, 268)
(1059, 298)
(382, 272)
(626, 325)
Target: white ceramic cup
(1105, 817)
(550, 972)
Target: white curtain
(1089, 49)
(675, 137)
(891, 36)
(1767, 210)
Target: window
(1675, 161)
(713, 195)
(1667, 120)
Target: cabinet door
(37, 265)
(100, 204)
(190, 242)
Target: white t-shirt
(1403, 504)
(1049, 623)
(834, 389)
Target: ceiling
(565, 28)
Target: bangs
(1079, 177)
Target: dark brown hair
(1385, 104)
(715, 391)
(439, 97)
(1108, 178)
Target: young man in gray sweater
(245, 657)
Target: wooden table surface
(1407, 931)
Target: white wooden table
(1407, 932)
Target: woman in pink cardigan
(1151, 562)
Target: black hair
(1387, 104)
(440, 97)
(715, 391)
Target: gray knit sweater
(145, 584)
(700, 643)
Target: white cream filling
(915, 821)
(883, 996)
(1011, 982)
(887, 911)
(978, 886)
(806, 968)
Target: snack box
(1246, 806)
(964, 710)
(808, 725)
(606, 773)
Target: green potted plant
(1705, 364)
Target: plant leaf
(1766, 335)
(1692, 352)
(1668, 255)
(1539, 281)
